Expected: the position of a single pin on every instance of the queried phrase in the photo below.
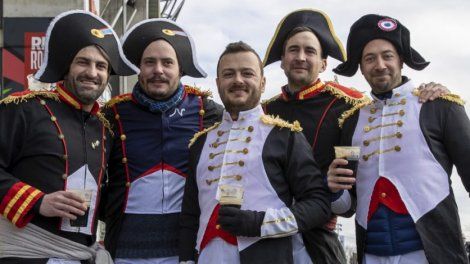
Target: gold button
(397, 95)
(383, 195)
(399, 135)
(211, 168)
(373, 110)
(211, 155)
(128, 184)
(241, 163)
(238, 177)
(248, 139)
(397, 148)
(366, 142)
(64, 157)
(202, 112)
(53, 118)
(403, 101)
(220, 133)
(245, 151)
(399, 123)
(61, 136)
(401, 112)
(42, 102)
(64, 176)
(371, 119)
(215, 145)
(367, 129)
(124, 160)
(364, 157)
(123, 137)
(217, 227)
(117, 116)
(250, 129)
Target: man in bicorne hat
(52, 159)
(303, 41)
(253, 185)
(406, 211)
(149, 156)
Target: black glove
(240, 222)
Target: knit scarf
(154, 105)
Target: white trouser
(414, 257)
(167, 260)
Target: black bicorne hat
(318, 22)
(71, 31)
(145, 32)
(370, 27)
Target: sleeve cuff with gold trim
(278, 223)
(16, 205)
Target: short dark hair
(299, 30)
(236, 47)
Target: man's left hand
(431, 91)
(240, 222)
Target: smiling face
(381, 66)
(88, 76)
(302, 61)
(240, 82)
(159, 70)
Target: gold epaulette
(346, 114)
(24, 96)
(350, 95)
(118, 99)
(197, 91)
(105, 122)
(272, 99)
(449, 97)
(277, 121)
(200, 133)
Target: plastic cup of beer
(231, 196)
(351, 154)
(82, 220)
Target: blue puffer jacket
(391, 234)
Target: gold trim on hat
(97, 33)
(168, 32)
(330, 26)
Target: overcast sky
(439, 32)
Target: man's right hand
(62, 204)
(339, 178)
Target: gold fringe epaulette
(348, 94)
(105, 122)
(24, 96)
(346, 114)
(277, 121)
(200, 133)
(272, 99)
(197, 91)
(118, 99)
(448, 97)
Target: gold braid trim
(342, 95)
(277, 121)
(449, 97)
(197, 91)
(16, 99)
(118, 99)
(346, 114)
(272, 99)
(200, 133)
(105, 122)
